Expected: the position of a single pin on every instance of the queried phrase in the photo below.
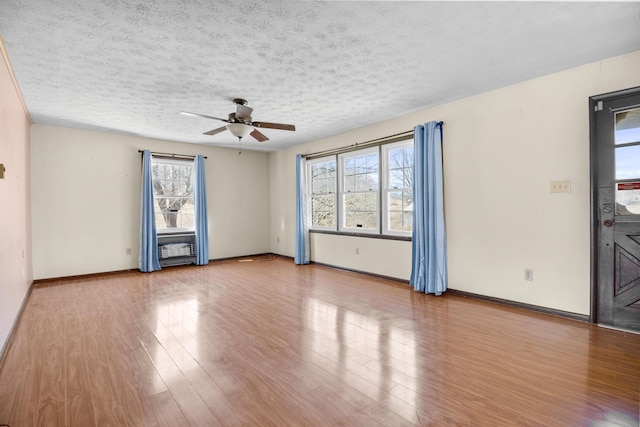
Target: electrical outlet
(560, 186)
(128, 251)
(357, 251)
(528, 275)
(277, 240)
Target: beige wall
(86, 200)
(15, 198)
(501, 150)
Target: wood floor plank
(79, 405)
(52, 358)
(273, 344)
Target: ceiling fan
(240, 123)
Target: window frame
(310, 194)
(342, 158)
(385, 189)
(382, 229)
(155, 160)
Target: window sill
(368, 235)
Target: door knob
(608, 223)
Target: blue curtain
(148, 260)
(429, 256)
(302, 225)
(200, 207)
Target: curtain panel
(200, 208)
(148, 260)
(302, 223)
(429, 246)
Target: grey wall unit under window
(176, 249)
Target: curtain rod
(377, 141)
(183, 156)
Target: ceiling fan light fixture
(239, 130)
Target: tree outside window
(323, 194)
(399, 190)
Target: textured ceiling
(326, 66)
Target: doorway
(615, 205)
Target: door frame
(595, 105)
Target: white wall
(15, 218)
(86, 200)
(501, 150)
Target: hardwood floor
(270, 343)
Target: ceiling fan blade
(260, 137)
(268, 125)
(215, 131)
(202, 115)
(243, 112)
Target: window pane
(331, 184)
(349, 166)
(361, 183)
(319, 186)
(372, 181)
(318, 171)
(350, 220)
(317, 204)
(323, 211)
(628, 162)
(628, 126)
(361, 210)
(398, 191)
(371, 221)
(395, 201)
(372, 162)
(371, 202)
(360, 220)
(354, 202)
(323, 188)
(408, 177)
(173, 193)
(395, 221)
(174, 212)
(396, 158)
(396, 178)
(407, 220)
(628, 199)
(185, 220)
(350, 183)
(330, 220)
(408, 156)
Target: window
(398, 188)
(173, 194)
(367, 191)
(359, 191)
(627, 156)
(323, 193)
